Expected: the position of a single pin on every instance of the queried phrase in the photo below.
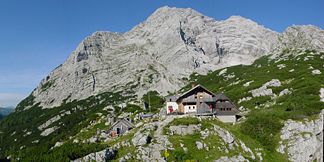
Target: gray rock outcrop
(199, 145)
(101, 156)
(285, 92)
(48, 131)
(140, 139)
(316, 72)
(184, 130)
(264, 90)
(321, 94)
(238, 158)
(302, 141)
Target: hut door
(118, 131)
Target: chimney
(193, 85)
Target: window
(170, 109)
(189, 107)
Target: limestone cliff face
(160, 52)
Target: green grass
(185, 121)
(154, 100)
(133, 108)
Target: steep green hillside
(294, 69)
(263, 116)
(22, 138)
(294, 74)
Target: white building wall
(192, 109)
(227, 118)
(174, 106)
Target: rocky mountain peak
(302, 37)
(159, 53)
(167, 11)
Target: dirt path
(162, 142)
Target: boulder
(184, 130)
(93, 140)
(224, 134)
(285, 92)
(140, 139)
(48, 131)
(238, 158)
(262, 91)
(248, 83)
(273, 83)
(316, 72)
(322, 95)
(199, 145)
(101, 156)
(58, 144)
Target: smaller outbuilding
(121, 126)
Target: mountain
(112, 74)
(161, 53)
(157, 55)
(4, 111)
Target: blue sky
(38, 35)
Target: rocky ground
(303, 140)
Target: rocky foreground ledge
(303, 140)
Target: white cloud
(11, 99)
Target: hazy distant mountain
(4, 111)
